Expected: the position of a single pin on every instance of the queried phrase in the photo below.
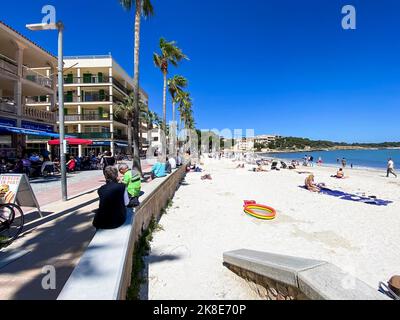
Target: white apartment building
(25, 70)
(266, 139)
(247, 144)
(93, 86)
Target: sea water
(375, 159)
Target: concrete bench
(284, 277)
(100, 272)
(104, 270)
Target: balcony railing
(94, 135)
(36, 114)
(7, 105)
(120, 86)
(95, 97)
(87, 117)
(92, 79)
(33, 76)
(8, 65)
(90, 97)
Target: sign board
(8, 122)
(15, 188)
(65, 146)
(37, 126)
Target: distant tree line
(293, 143)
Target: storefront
(13, 138)
(97, 147)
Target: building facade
(25, 70)
(93, 87)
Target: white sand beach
(207, 219)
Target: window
(5, 142)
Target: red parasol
(71, 142)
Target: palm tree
(126, 110)
(142, 8)
(175, 88)
(170, 53)
(185, 107)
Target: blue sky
(283, 67)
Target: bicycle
(11, 222)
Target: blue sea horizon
(373, 159)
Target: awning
(101, 143)
(71, 142)
(121, 145)
(28, 131)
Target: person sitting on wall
(179, 161)
(172, 162)
(168, 167)
(132, 181)
(158, 169)
(113, 201)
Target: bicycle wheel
(11, 222)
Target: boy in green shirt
(133, 184)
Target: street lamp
(60, 27)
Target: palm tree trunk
(173, 151)
(165, 102)
(136, 154)
(129, 136)
(173, 111)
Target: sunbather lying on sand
(260, 168)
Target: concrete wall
(279, 277)
(104, 271)
(150, 209)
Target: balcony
(87, 97)
(87, 117)
(37, 78)
(120, 86)
(7, 105)
(93, 135)
(8, 66)
(40, 115)
(37, 100)
(88, 79)
(95, 97)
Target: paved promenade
(58, 239)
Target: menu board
(15, 188)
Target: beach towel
(353, 197)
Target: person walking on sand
(390, 168)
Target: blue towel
(352, 197)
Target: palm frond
(126, 4)
(147, 8)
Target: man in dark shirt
(113, 201)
